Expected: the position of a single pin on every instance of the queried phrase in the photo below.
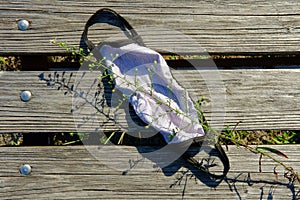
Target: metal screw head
(25, 169)
(23, 24)
(25, 96)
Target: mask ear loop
(106, 15)
(223, 157)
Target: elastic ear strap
(223, 158)
(106, 15)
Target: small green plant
(260, 137)
(2, 60)
(11, 139)
(10, 63)
(172, 57)
(231, 136)
(283, 137)
(69, 138)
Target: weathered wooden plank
(258, 99)
(74, 173)
(218, 26)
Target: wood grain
(68, 101)
(74, 173)
(216, 26)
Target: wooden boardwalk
(238, 34)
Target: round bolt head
(25, 96)
(25, 169)
(23, 24)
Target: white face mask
(143, 76)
